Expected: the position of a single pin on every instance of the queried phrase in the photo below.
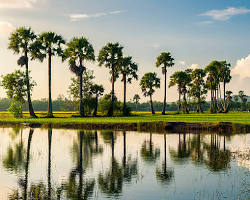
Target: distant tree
(197, 88)
(128, 69)
(149, 83)
(228, 100)
(165, 60)
(16, 90)
(243, 99)
(97, 90)
(20, 42)
(47, 45)
(136, 100)
(181, 79)
(78, 51)
(110, 56)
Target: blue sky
(195, 32)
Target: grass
(138, 117)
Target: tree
(16, 90)
(228, 100)
(47, 45)
(181, 79)
(128, 69)
(20, 42)
(110, 56)
(136, 99)
(243, 99)
(165, 60)
(78, 51)
(97, 90)
(197, 88)
(149, 83)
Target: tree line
(192, 85)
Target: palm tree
(149, 83)
(21, 43)
(136, 99)
(48, 45)
(96, 90)
(79, 50)
(110, 56)
(128, 69)
(243, 99)
(165, 60)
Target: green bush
(105, 103)
(16, 110)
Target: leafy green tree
(110, 56)
(136, 100)
(47, 45)
(78, 51)
(16, 90)
(228, 100)
(20, 42)
(128, 69)
(197, 88)
(165, 60)
(97, 90)
(243, 99)
(149, 82)
(181, 79)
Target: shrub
(16, 110)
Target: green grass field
(66, 117)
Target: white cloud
(242, 67)
(182, 62)
(17, 3)
(226, 14)
(194, 66)
(205, 22)
(6, 28)
(77, 17)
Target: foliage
(16, 110)
(105, 102)
(149, 83)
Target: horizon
(197, 34)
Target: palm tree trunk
(179, 103)
(49, 162)
(96, 106)
(31, 110)
(50, 112)
(151, 105)
(165, 91)
(111, 108)
(124, 95)
(224, 94)
(81, 106)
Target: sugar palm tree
(149, 83)
(165, 60)
(48, 44)
(110, 56)
(128, 69)
(79, 50)
(96, 90)
(136, 99)
(20, 42)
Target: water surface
(70, 164)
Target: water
(70, 164)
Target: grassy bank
(66, 117)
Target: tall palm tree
(128, 69)
(79, 50)
(136, 99)
(110, 56)
(48, 44)
(149, 83)
(165, 60)
(96, 90)
(20, 42)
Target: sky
(195, 32)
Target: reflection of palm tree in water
(148, 152)
(164, 174)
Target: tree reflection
(148, 152)
(164, 174)
(197, 154)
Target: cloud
(6, 28)
(194, 66)
(206, 22)
(78, 17)
(182, 62)
(242, 67)
(226, 14)
(17, 3)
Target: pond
(75, 164)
